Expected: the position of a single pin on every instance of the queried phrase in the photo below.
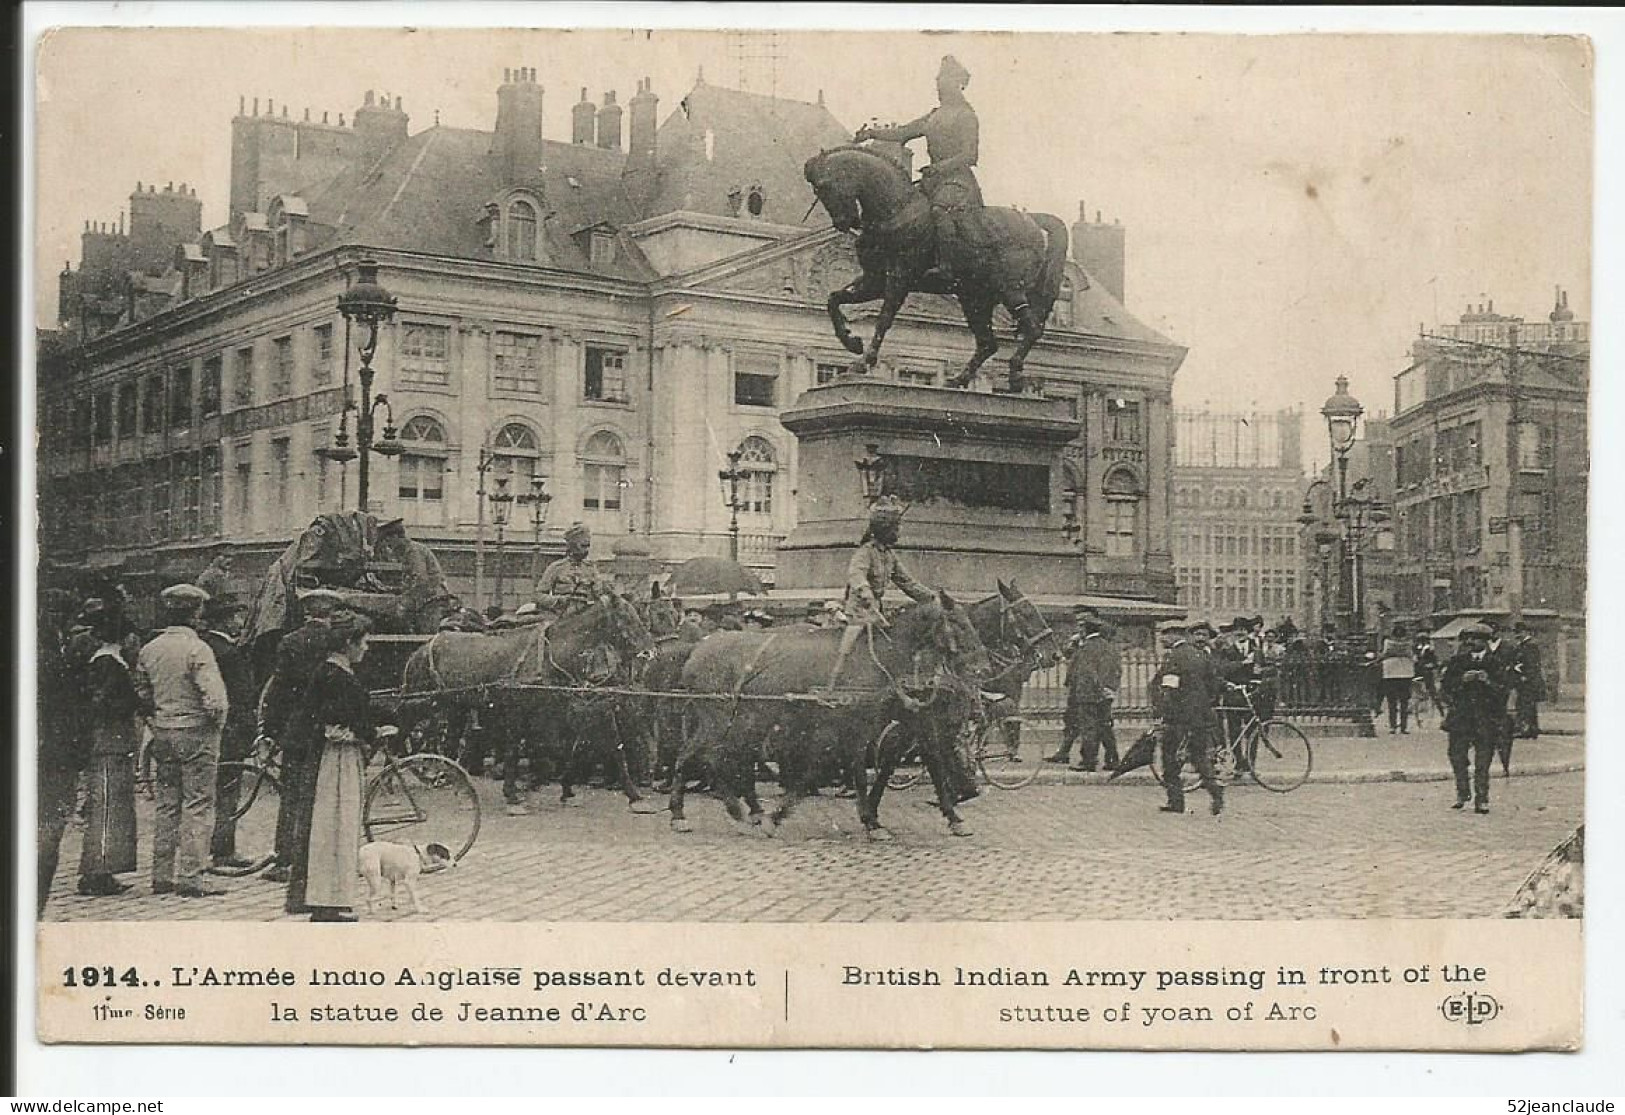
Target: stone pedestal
(981, 474)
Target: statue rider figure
(950, 131)
(875, 565)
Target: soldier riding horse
(935, 237)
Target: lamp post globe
(366, 303)
(1342, 413)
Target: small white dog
(399, 865)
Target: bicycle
(417, 797)
(990, 743)
(1278, 754)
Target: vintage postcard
(811, 538)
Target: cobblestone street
(1326, 850)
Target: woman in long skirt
(110, 834)
(342, 718)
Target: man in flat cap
(952, 135)
(1183, 692)
(178, 684)
(1094, 671)
(1474, 690)
(572, 582)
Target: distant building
(1238, 491)
(1491, 423)
(615, 314)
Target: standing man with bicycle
(1183, 693)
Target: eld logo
(1472, 1007)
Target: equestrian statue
(935, 236)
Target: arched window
(1061, 315)
(759, 463)
(421, 472)
(1122, 491)
(521, 230)
(603, 472)
(518, 454)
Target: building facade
(1492, 462)
(612, 321)
(1238, 489)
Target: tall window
(321, 436)
(1061, 315)
(321, 370)
(1467, 524)
(209, 490)
(425, 354)
(1123, 421)
(521, 230)
(158, 509)
(605, 375)
(518, 452)
(152, 405)
(516, 363)
(180, 397)
(422, 471)
(126, 409)
(103, 434)
(242, 386)
(281, 463)
(83, 413)
(759, 463)
(187, 496)
(1531, 454)
(209, 394)
(245, 487)
(603, 469)
(282, 367)
(1122, 513)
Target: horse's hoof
(878, 833)
(959, 828)
(744, 828)
(679, 824)
(852, 345)
(571, 802)
(766, 828)
(643, 807)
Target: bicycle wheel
(259, 799)
(1008, 757)
(422, 799)
(1280, 756)
(909, 766)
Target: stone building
(1238, 490)
(613, 313)
(1490, 424)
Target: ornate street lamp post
(730, 477)
(501, 506)
(1342, 413)
(367, 304)
(537, 500)
(872, 468)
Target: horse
(725, 728)
(1019, 641)
(1020, 262)
(456, 672)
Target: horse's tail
(1048, 289)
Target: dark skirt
(110, 834)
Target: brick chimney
(609, 123)
(380, 125)
(1099, 248)
(583, 119)
(518, 138)
(641, 174)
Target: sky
(1296, 207)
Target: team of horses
(612, 688)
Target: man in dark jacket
(1093, 673)
(282, 719)
(1506, 656)
(222, 620)
(1183, 692)
(1474, 688)
(1531, 682)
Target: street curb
(1066, 777)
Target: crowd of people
(180, 702)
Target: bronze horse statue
(1018, 262)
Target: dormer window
(602, 249)
(521, 237)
